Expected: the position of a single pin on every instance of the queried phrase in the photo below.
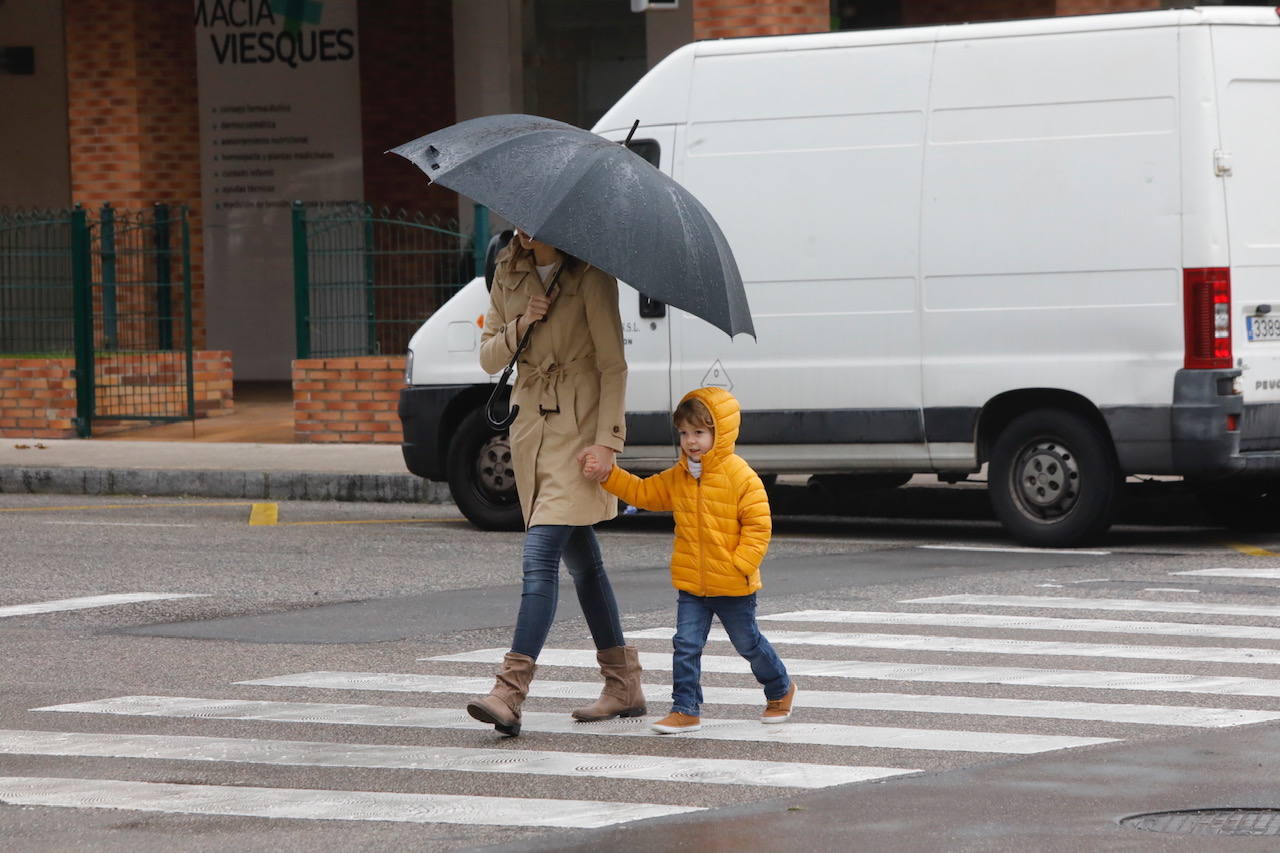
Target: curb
(254, 485)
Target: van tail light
(1206, 315)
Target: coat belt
(545, 378)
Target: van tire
(481, 478)
(1053, 479)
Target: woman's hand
(537, 309)
(597, 462)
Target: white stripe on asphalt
(1011, 550)
(1270, 574)
(1027, 623)
(89, 601)
(823, 734)
(1018, 676)
(1151, 715)
(1066, 603)
(982, 645)
(715, 771)
(309, 804)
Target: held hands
(596, 462)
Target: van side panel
(1248, 80)
(810, 161)
(1051, 222)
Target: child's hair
(693, 412)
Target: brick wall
(1089, 7)
(406, 90)
(38, 395)
(132, 113)
(350, 400)
(714, 19)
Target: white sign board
(279, 88)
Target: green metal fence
(111, 287)
(365, 279)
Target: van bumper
(1188, 438)
(422, 409)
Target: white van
(1049, 246)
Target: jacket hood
(727, 415)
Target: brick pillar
(714, 19)
(133, 113)
(406, 90)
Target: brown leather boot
(621, 696)
(502, 706)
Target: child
(722, 534)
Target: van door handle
(650, 308)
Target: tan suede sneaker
(676, 722)
(779, 710)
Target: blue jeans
(544, 546)
(737, 613)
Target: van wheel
(481, 477)
(1251, 506)
(1054, 479)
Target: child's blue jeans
(737, 613)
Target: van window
(648, 149)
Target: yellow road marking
(264, 514)
(1252, 550)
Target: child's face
(695, 440)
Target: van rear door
(1248, 81)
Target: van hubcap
(493, 466)
(1048, 478)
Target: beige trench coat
(571, 385)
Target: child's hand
(597, 462)
(590, 466)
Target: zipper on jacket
(702, 550)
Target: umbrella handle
(502, 423)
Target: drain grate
(1226, 821)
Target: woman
(570, 387)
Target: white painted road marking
(1269, 574)
(981, 645)
(1020, 676)
(309, 804)
(1062, 602)
(1012, 550)
(715, 771)
(1152, 715)
(824, 734)
(1027, 623)
(90, 601)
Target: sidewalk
(214, 469)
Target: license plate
(1262, 328)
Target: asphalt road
(322, 655)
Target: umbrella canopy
(594, 199)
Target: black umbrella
(596, 200)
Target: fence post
(82, 302)
(301, 282)
(186, 314)
(479, 239)
(107, 242)
(164, 299)
(370, 296)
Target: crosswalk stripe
(1268, 574)
(308, 804)
(823, 734)
(90, 601)
(1027, 623)
(716, 771)
(954, 674)
(1154, 715)
(1138, 604)
(983, 645)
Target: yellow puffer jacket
(722, 520)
